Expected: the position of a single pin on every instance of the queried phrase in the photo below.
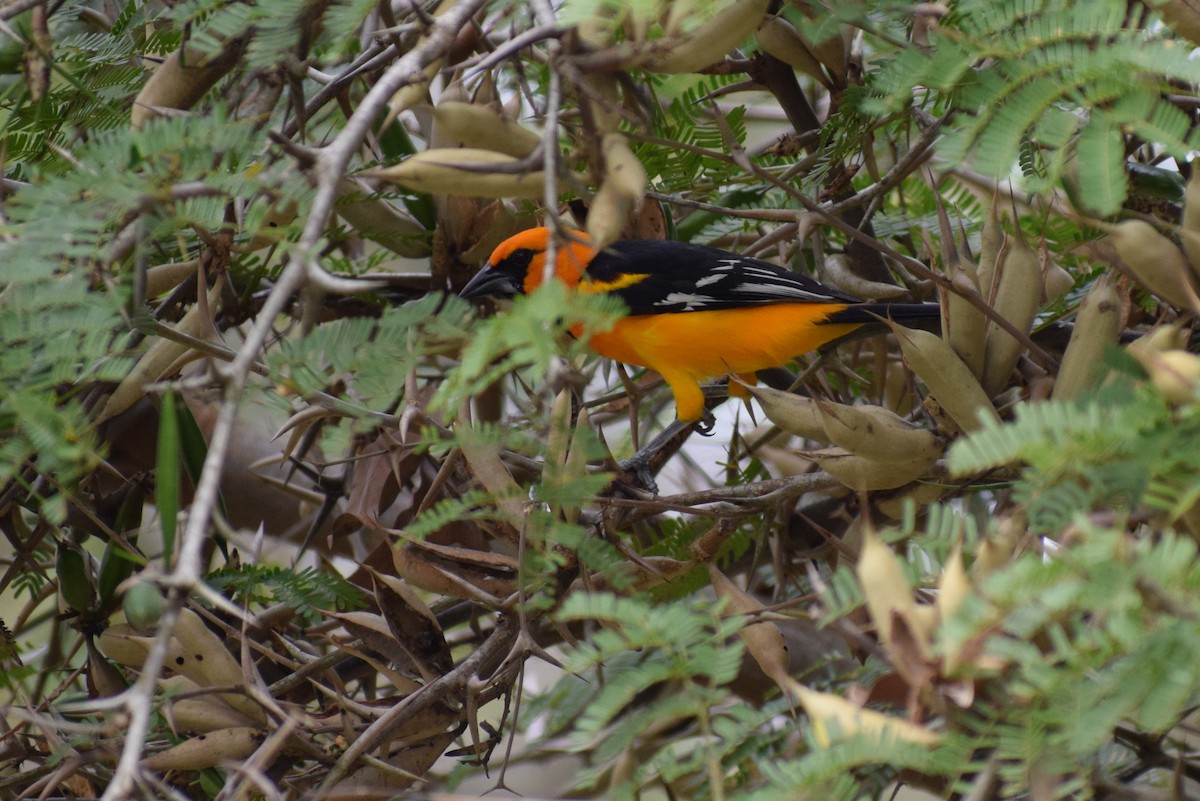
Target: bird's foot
(706, 424)
(638, 466)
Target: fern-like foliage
(680, 652)
(1119, 448)
(1038, 82)
(308, 591)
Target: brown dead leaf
(764, 641)
(457, 572)
(414, 626)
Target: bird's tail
(880, 312)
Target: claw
(706, 424)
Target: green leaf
(168, 469)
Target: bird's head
(517, 265)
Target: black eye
(519, 259)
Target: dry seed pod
(602, 99)
(1189, 234)
(777, 37)
(949, 380)
(1018, 296)
(623, 186)
(1154, 261)
(920, 495)
(208, 662)
(878, 434)
(278, 217)
(1098, 323)
(198, 714)
(161, 355)
(463, 172)
(622, 168)
(207, 750)
(867, 475)
(1158, 340)
(607, 215)
(954, 586)
(1175, 374)
(709, 43)
(838, 273)
(479, 126)
(162, 278)
(1056, 282)
(832, 52)
(125, 646)
(966, 325)
(102, 674)
(380, 221)
(763, 640)
(181, 80)
(990, 244)
(793, 413)
(412, 94)
(1182, 17)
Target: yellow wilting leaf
(828, 711)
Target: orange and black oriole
(695, 312)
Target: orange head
(518, 264)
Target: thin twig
(499, 642)
(301, 269)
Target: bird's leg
(693, 406)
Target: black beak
(490, 281)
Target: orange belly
(706, 344)
(686, 348)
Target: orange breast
(705, 344)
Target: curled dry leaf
(457, 572)
(413, 625)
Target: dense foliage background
(286, 518)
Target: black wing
(682, 277)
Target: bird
(695, 312)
